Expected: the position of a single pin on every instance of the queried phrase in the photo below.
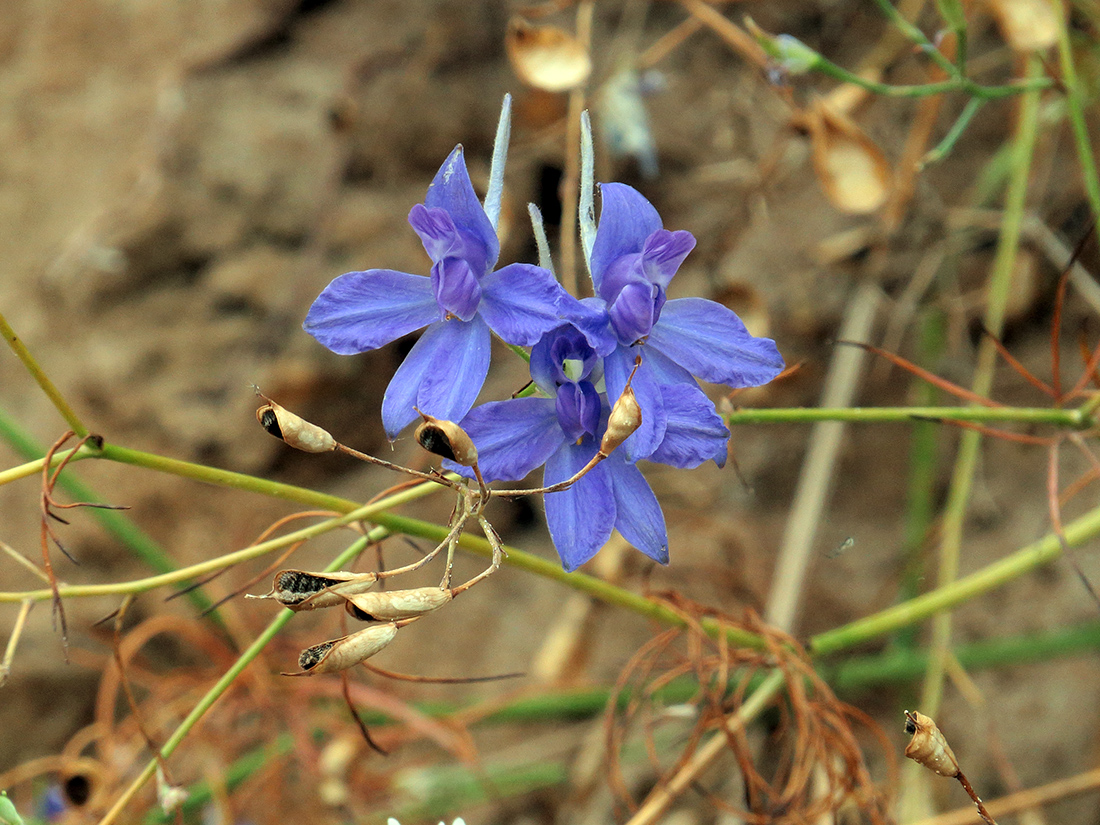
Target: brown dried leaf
(546, 57)
(852, 170)
(1027, 25)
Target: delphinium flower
(563, 431)
(633, 260)
(459, 304)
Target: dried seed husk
(387, 605)
(852, 170)
(546, 57)
(302, 590)
(625, 418)
(347, 651)
(1028, 25)
(447, 439)
(929, 746)
(293, 430)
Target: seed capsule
(387, 605)
(293, 430)
(345, 652)
(625, 418)
(447, 439)
(301, 590)
(929, 746)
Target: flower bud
(387, 605)
(300, 590)
(794, 56)
(294, 430)
(928, 745)
(447, 439)
(345, 652)
(625, 418)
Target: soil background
(180, 179)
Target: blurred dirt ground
(180, 179)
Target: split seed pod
(294, 430)
(347, 651)
(301, 590)
(447, 439)
(851, 169)
(625, 418)
(928, 745)
(387, 605)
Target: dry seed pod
(546, 57)
(928, 745)
(345, 652)
(388, 605)
(447, 439)
(301, 590)
(1027, 25)
(292, 429)
(625, 418)
(852, 170)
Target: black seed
(303, 585)
(360, 614)
(78, 789)
(312, 656)
(910, 725)
(270, 422)
(434, 440)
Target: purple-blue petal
(694, 432)
(633, 312)
(360, 311)
(452, 190)
(441, 375)
(711, 342)
(590, 317)
(638, 516)
(456, 288)
(578, 406)
(437, 232)
(626, 220)
(581, 517)
(521, 303)
(512, 437)
(647, 391)
(663, 253)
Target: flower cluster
(585, 353)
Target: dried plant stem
(982, 812)
(40, 377)
(13, 640)
(570, 181)
(814, 487)
(662, 797)
(1023, 800)
(223, 684)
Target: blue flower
(563, 432)
(632, 263)
(459, 304)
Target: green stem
(956, 84)
(1000, 285)
(1077, 121)
(1071, 419)
(918, 37)
(43, 380)
(958, 591)
(944, 147)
